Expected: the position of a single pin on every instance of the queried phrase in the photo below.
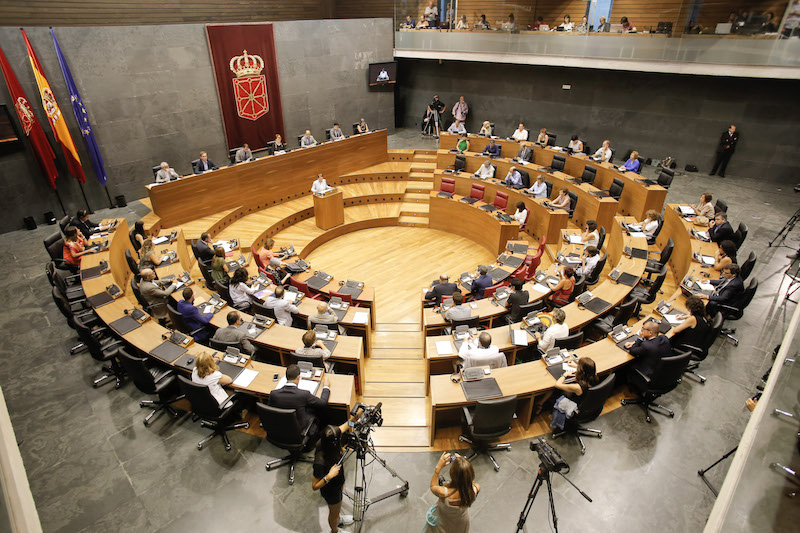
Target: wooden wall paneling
(553, 11)
(645, 14)
(497, 12)
(354, 9)
(712, 13)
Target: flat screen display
(382, 73)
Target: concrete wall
(149, 92)
(657, 114)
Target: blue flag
(81, 117)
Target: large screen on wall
(382, 73)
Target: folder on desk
(354, 292)
(632, 338)
(517, 248)
(230, 370)
(340, 313)
(124, 325)
(185, 361)
(94, 272)
(597, 305)
(601, 194)
(443, 194)
(99, 300)
(498, 274)
(625, 279)
(168, 351)
(316, 283)
(481, 389)
(514, 261)
(330, 345)
(488, 208)
(636, 253)
(469, 200)
(444, 348)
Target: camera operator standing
(451, 512)
(328, 477)
(431, 123)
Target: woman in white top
(567, 24)
(462, 24)
(575, 144)
(485, 171)
(543, 137)
(539, 188)
(521, 214)
(591, 256)
(206, 372)
(241, 293)
(650, 223)
(590, 237)
(604, 152)
(520, 134)
(320, 185)
(486, 129)
(558, 330)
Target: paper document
(703, 235)
(673, 319)
(473, 305)
(520, 337)
(708, 260)
(575, 239)
(538, 287)
(160, 240)
(360, 317)
(686, 210)
(290, 296)
(635, 228)
(245, 378)
(226, 245)
(444, 348)
(638, 234)
(305, 384)
(705, 286)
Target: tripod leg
(523, 516)
(552, 503)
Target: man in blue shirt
(194, 320)
(492, 149)
(481, 282)
(513, 177)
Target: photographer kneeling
(328, 477)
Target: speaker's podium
(329, 209)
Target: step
(414, 208)
(396, 326)
(401, 437)
(421, 176)
(397, 353)
(424, 158)
(418, 165)
(413, 222)
(419, 186)
(395, 370)
(417, 197)
(425, 152)
(402, 412)
(397, 390)
(397, 339)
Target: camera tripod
(432, 126)
(787, 228)
(362, 447)
(543, 476)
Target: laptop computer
(723, 28)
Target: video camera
(551, 460)
(370, 416)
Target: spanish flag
(57, 122)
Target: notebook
(597, 305)
(230, 370)
(168, 351)
(481, 389)
(99, 300)
(316, 283)
(354, 292)
(628, 279)
(124, 325)
(93, 272)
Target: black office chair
(232, 155)
(205, 270)
(735, 312)
(620, 315)
(654, 266)
(601, 237)
(589, 174)
(332, 326)
(578, 289)
(668, 375)
(71, 313)
(539, 306)
(132, 238)
(720, 206)
(64, 222)
(652, 240)
(69, 284)
(316, 360)
(699, 353)
(222, 290)
(665, 177)
(155, 171)
(102, 347)
(570, 342)
(573, 203)
(270, 148)
(195, 249)
(258, 308)
(526, 178)
(219, 419)
(747, 266)
(194, 164)
(549, 185)
(472, 322)
(487, 421)
(284, 431)
(648, 296)
(177, 320)
(133, 265)
(551, 139)
(54, 244)
(559, 161)
(223, 346)
(152, 380)
(615, 191)
(594, 277)
(590, 408)
(460, 162)
(740, 234)
(355, 128)
(137, 292)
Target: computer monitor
(382, 73)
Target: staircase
(415, 208)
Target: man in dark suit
(204, 164)
(443, 288)
(518, 298)
(727, 145)
(205, 248)
(729, 289)
(82, 222)
(648, 350)
(721, 230)
(290, 396)
(192, 317)
(525, 154)
(481, 282)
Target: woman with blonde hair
(148, 256)
(206, 372)
(486, 128)
(450, 514)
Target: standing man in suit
(648, 350)
(729, 289)
(290, 396)
(443, 288)
(243, 154)
(725, 149)
(204, 164)
(234, 332)
(205, 249)
(722, 229)
(192, 317)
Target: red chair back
(448, 185)
(489, 292)
(257, 259)
(477, 191)
(501, 200)
(303, 287)
(348, 298)
(535, 260)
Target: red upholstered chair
(303, 287)
(489, 292)
(347, 298)
(448, 185)
(261, 266)
(477, 191)
(533, 261)
(501, 200)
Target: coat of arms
(249, 86)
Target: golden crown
(246, 65)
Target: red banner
(246, 72)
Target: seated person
(513, 177)
(323, 315)
(648, 350)
(539, 188)
(517, 299)
(165, 173)
(457, 127)
(336, 132)
(543, 137)
(562, 200)
(482, 24)
(192, 317)
(242, 294)
(589, 260)
(650, 223)
(138, 235)
(520, 134)
(85, 226)
(511, 24)
(74, 247)
(721, 230)
(632, 164)
(204, 164)
(422, 22)
(279, 144)
(283, 308)
(627, 26)
(486, 128)
(148, 256)
(521, 214)
(206, 372)
(704, 208)
(312, 346)
(525, 153)
(307, 140)
(482, 282)
(243, 154)
(462, 23)
(590, 237)
(603, 26)
(557, 330)
(459, 310)
(275, 268)
(234, 332)
(443, 288)
(155, 293)
(567, 25)
(768, 26)
(585, 375)
(362, 126)
(320, 186)
(463, 143)
(481, 352)
(583, 27)
(486, 170)
(306, 405)
(266, 254)
(218, 266)
(725, 255)
(694, 328)
(563, 289)
(575, 144)
(205, 248)
(409, 23)
(604, 152)
(727, 291)
(492, 149)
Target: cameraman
(328, 477)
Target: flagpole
(88, 207)
(60, 202)
(110, 203)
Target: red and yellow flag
(57, 122)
